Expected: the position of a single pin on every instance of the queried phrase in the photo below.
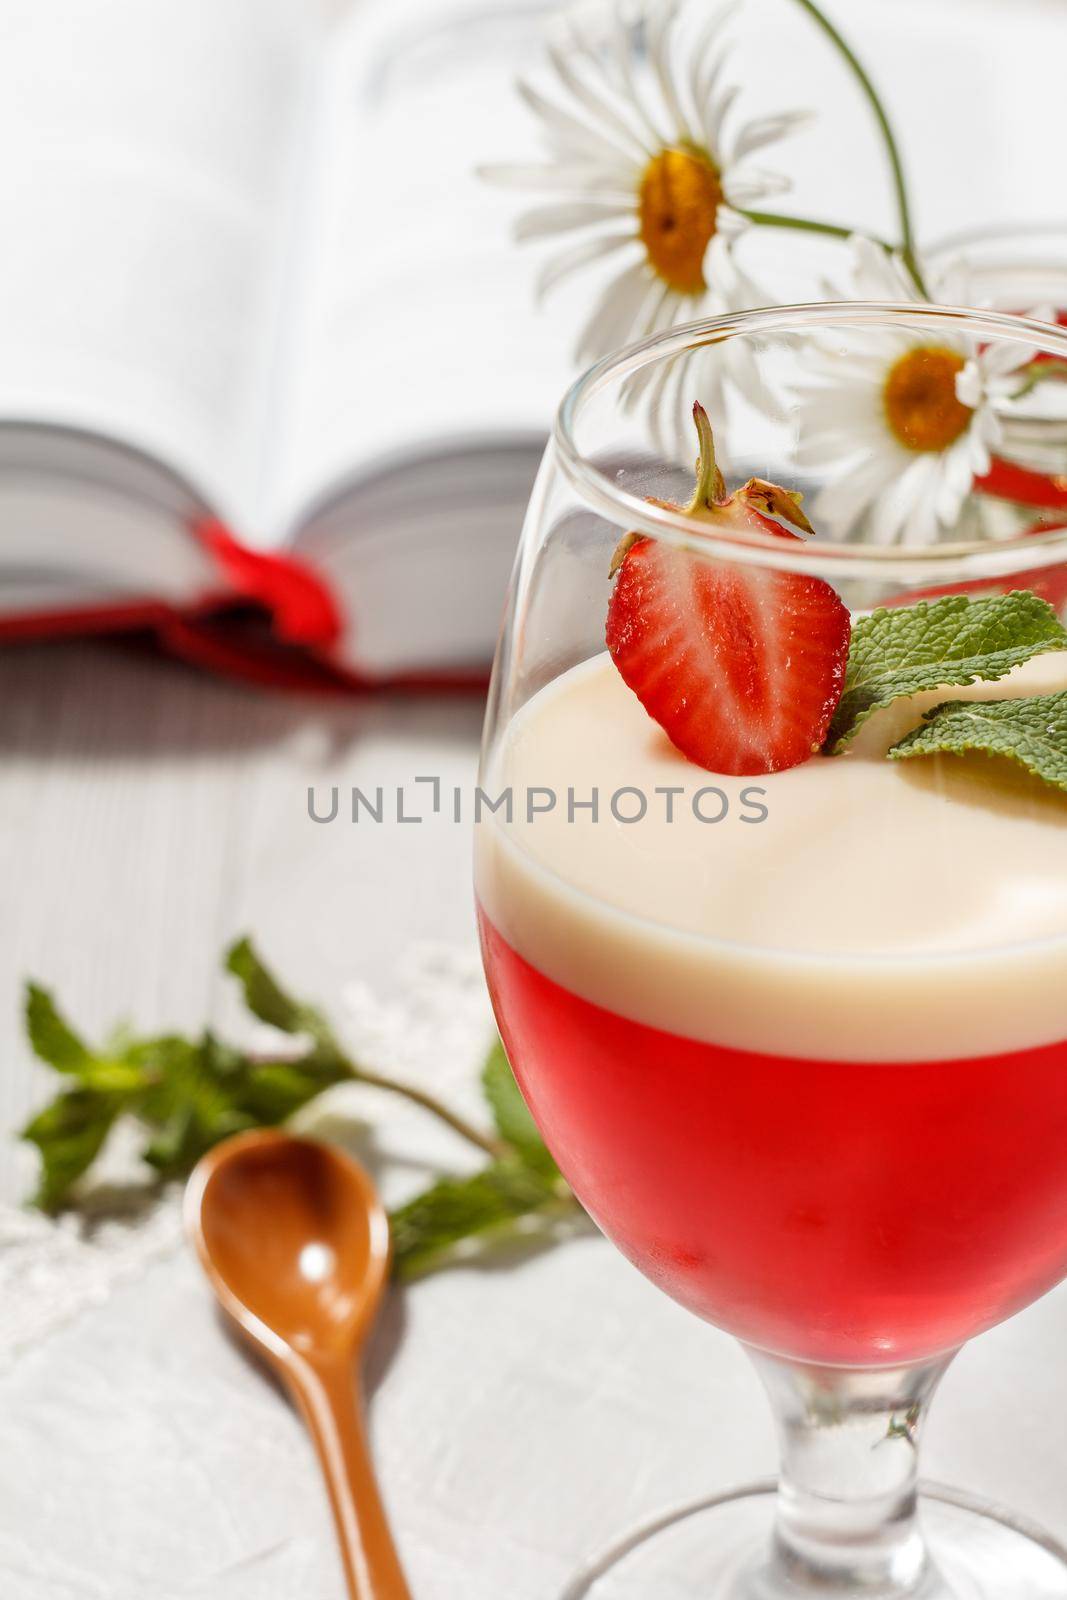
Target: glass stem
(847, 1493)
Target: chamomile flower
(902, 423)
(647, 168)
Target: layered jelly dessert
(797, 1040)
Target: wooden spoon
(295, 1243)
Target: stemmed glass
(797, 1039)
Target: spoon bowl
(298, 1237)
(295, 1243)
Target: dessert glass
(797, 1041)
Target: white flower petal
(566, 262)
(922, 527)
(713, 114)
(545, 221)
(895, 504)
(670, 422)
(554, 177)
(961, 459)
(1003, 357)
(874, 350)
(660, 372)
(824, 450)
(730, 224)
(611, 122)
(618, 59)
(969, 385)
(952, 284)
(665, 314)
(849, 398)
(660, 53)
(838, 504)
(656, 312)
(704, 76)
(762, 131)
(878, 275)
(919, 521)
(987, 434)
(723, 275)
(956, 478)
(571, 133)
(708, 49)
(744, 186)
(614, 318)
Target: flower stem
(1039, 372)
(833, 230)
(907, 236)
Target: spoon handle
(334, 1415)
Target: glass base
(717, 1549)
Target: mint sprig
(267, 1000)
(487, 1206)
(936, 644)
(511, 1116)
(1031, 732)
(70, 1133)
(521, 1195)
(52, 1038)
(184, 1094)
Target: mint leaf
(458, 1209)
(510, 1114)
(1032, 732)
(935, 644)
(264, 995)
(192, 1102)
(70, 1134)
(273, 1091)
(187, 1094)
(52, 1039)
(204, 1090)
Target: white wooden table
(148, 814)
(521, 1416)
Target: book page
(145, 154)
(419, 331)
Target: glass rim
(902, 562)
(1026, 231)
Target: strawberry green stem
(710, 489)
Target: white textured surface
(522, 1414)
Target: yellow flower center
(921, 405)
(678, 206)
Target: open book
(264, 333)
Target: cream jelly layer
(880, 911)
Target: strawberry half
(741, 666)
